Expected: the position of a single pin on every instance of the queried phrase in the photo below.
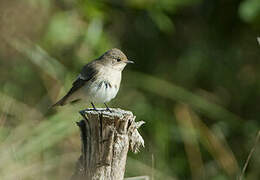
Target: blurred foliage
(196, 83)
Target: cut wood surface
(106, 138)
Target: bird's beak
(129, 62)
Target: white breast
(104, 88)
(102, 92)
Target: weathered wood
(106, 138)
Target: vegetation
(195, 81)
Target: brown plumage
(98, 80)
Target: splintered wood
(106, 138)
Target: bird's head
(115, 58)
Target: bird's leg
(83, 112)
(94, 106)
(107, 108)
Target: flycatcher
(99, 80)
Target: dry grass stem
(249, 156)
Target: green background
(195, 82)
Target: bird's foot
(108, 108)
(94, 106)
(83, 112)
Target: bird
(98, 81)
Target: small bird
(98, 81)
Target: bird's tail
(61, 102)
(66, 99)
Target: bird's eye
(118, 59)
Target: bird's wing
(87, 73)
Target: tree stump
(106, 137)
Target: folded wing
(88, 73)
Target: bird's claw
(109, 110)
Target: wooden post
(106, 138)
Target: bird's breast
(103, 91)
(104, 88)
